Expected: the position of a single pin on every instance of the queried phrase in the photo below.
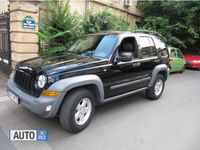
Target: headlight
(42, 79)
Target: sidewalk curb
(4, 76)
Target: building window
(127, 3)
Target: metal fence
(5, 52)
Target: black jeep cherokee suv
(97, 69)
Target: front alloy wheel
(83, 111)
(77, 110)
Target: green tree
(59, 29)
(177, 21)
(96, 22)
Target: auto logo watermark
(28, 135)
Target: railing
(5, 52)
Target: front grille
(25, 82)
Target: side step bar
(123, 95)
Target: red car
(193, 59)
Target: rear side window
(147, 47)
(161, 46)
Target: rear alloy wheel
(77, 110)
(157, 88)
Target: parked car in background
(177, 60)
(192, 59)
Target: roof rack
(147, 31)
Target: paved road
(133, 123)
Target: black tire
(69, 109)
(150, 92)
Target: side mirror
(125, 56)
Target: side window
(147, 47)
(153, 48)
(179, 54)
(173, 53)
(161, 46)
(128, 45)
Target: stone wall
(4, 5)
(24, 41)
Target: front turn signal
(50, 93)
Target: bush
(60, 29)
(96, 22)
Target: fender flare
(157, 69)
(65, 85)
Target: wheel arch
(160, 69)
(90, 82)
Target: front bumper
(36, 105)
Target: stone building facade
(125, 8)
(4, 6)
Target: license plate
(13, 97)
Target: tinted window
(95, 45)
(161, 46)
(147, 47)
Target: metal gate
(5, 52)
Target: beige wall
(120, 3)
(3, 5)
(24, 41)
(78, 6)
(131, 14)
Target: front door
(174, 60)
(180, 59)
(131, 75)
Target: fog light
(48, 108)
(50, 93)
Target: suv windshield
(100, 46)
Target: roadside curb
(2, 75)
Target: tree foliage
(59, 29)
(177, 21)
(95, 22)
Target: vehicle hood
(59, 64)
(191, 57)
